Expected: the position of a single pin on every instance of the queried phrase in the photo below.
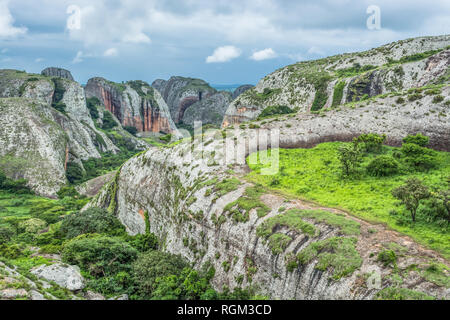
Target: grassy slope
(314, 174)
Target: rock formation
(58, 73)
(180, 93)
(134, 104)
(180, 190)
(209, 110)
(240, 90)
(326, 83)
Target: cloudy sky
(221, 41)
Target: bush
(388, 258)
(383, 166)
(143, 242)
(99, 255)
(438, 99)
(371, 142)
(108, 121)
(131, 130)
(68, 191)
(6, 233)
(350, 157)
(49, 211)
(274, 110)
(33, 225)
(152, 265)
(74, 173)
(93, 220)
(92, 104)
(418, 157)
(15, 186)
(418, 139)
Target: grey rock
(13, 293)
(66, 276)
(209, 111)
(294, 86)
(57, 72)
(35, 295)
(93, 296)
(240, 90)
(121, 297)
(180, 93)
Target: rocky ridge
(134, 104)
(314, 85)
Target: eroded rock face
(240, 90)
(329, 82)
(209, 111)
(57, 72)
(64, 275)
(134, 103)
(180, 93)
(178, 190)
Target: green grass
(392, 293)
(240, 209)
(336, 254)
(314, 174)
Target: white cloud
(38, 60)
(316, 51)
(136, 38)
(263, 54)
(79, 57)
(111, 52)
(7, 30)
(224, 54)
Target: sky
(220, 41)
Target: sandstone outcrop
(134, 104)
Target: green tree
(92, 220)
(410, 194)
(371, 142)
(350, 156)
(418, 139)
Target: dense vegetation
(112, 262)
(370, 180)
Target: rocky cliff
(326, 83)
(209, 110)
(52, 126)
(205, 212)
(134, 104)
(194, 197)
(240, 90)
(180, 93)
(57, 73)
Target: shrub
(144, 242)
(418, 139)
(131, 130)
(388, 258)
(74, 173)
(371, 142)
(400, 100)
(383, 166)
(418, 157)
(350, 157)
(99, 255)
(274, 110)
(92, 104)
(49, 211)
(67, 191)
(16, 186)
(33, 225)
(108, 121)
(152, 265)
(6, 233)
(410, 194)
(438, 99)
(93, 220)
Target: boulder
(63, 275)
